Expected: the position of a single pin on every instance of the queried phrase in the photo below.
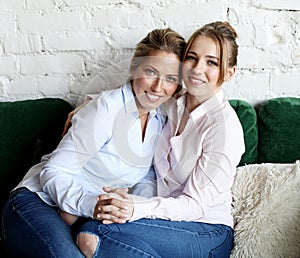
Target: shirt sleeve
(147, 186)
(62, 177)
(207, 186)
(176, 209)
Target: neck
(192, 102)
(142, 112)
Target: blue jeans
(31, 228)
(161, 238)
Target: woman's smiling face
(201, 69)
(155, 80)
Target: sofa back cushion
(247, 116)
(279, 130)
(23, 125)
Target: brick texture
(57, 48)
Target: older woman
(111, 143)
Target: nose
(198, 67)
(157, 85)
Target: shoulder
(225, 123)
(225, 114)
(110, 100)
(102, 107)
(109, 95)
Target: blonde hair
(225, 37)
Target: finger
(108, 189)
(110, 209)
(107, 199)
(66, 128)
(123, 192)
(113, 202)
(104, 197)
(115, 221)
(120, 214)
(116, 214)
(109, 217)
(107, 222)
(113, 194)
(68, 123)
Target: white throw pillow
(266, 211)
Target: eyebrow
(152, 67)
(209, 56)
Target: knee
(87, 243)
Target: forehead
(204, 45)
(162, 61)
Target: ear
(230, 73)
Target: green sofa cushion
(247, 115)
(279, 130)
(23, 126)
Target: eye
(213, 63)
(190, 58)
(149, 72)
(172, 79)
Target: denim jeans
(161, 238)
(31, 228)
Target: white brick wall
(65, 48)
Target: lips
(196, 81)
(152, 97)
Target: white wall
(55, 48)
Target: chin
(152, 105)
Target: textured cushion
(266, 211)
(279, 130)
(247, 115)
(23, 124)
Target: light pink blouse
(195, 170)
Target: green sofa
(31, 128)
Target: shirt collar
(208, 105)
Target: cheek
(171, 89)
(213, 75)
(139, 84)
(185, 68)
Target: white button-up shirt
(104, 147)
(195, 170)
